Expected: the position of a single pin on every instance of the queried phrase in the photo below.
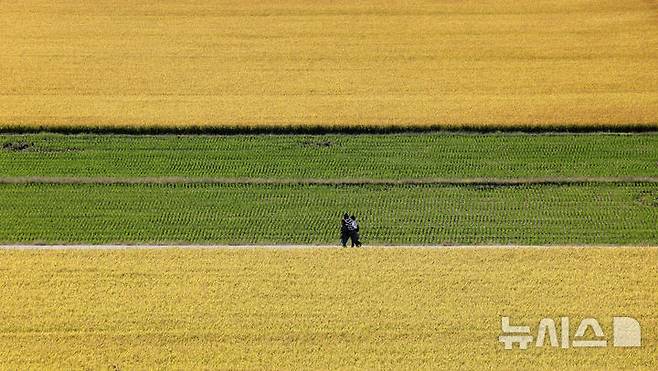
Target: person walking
(345, 226)
(354, 232)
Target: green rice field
(285, 214)
(268, 189)
(438, 155)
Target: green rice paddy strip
(284, 214)
(399, 156)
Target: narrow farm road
(293, 247)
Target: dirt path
(293, 247)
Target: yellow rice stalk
(499, 63)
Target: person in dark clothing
(345, 225)
(354, 232)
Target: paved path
(292, 247)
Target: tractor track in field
(316, 181)
(300, 247)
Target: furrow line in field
(316, 181)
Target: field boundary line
(315, 181)
(347, 128)
(303, 247)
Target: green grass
(583, 214)
(400, 156)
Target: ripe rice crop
(316, 309)
(309, 214)
(244, 64)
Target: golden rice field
(317, 308)
(293, 62)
